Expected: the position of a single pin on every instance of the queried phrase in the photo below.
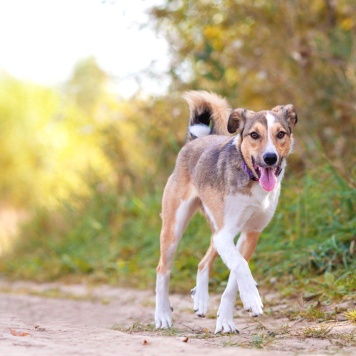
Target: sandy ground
(54, 319)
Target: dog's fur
(236, 183)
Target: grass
(351, 315)
(348, 339)
(140, 328)
(114, 238)
(258, 341)
(283, 329)
(262, 339)
(312, 313)
(321, 332)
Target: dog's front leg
(240, 279)
(246, 246)
(225, 321)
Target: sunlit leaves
(262, 53)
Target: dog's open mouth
(267, 176)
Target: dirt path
(52, 319)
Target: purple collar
(248, 171)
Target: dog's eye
(254, 135)
(281, 134)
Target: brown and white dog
(235, 181)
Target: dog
(231, 167)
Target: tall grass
(312, 234)
(108, 237)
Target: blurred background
(91, 121)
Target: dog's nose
(270, 158)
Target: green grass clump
(311, 313)
(351, 315)
(262, 339)
(321, 332)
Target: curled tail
(209, 114)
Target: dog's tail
(209, 114)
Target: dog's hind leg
(200, 293)
(177, 209)
(245, 245)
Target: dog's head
(265, 139)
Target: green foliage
(263, 53)
(46, 143)
(25, 112)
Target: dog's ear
(237, 120)
(289, 114)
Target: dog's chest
(250, 212)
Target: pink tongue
(268, 179)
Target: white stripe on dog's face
(261, 141)
(270, 147)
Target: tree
(263, 53)
(87, 84)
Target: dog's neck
(248, 171)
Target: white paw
(250, 297)
(163, 316)
(225, 326)
(201, 300)
(225, 322)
